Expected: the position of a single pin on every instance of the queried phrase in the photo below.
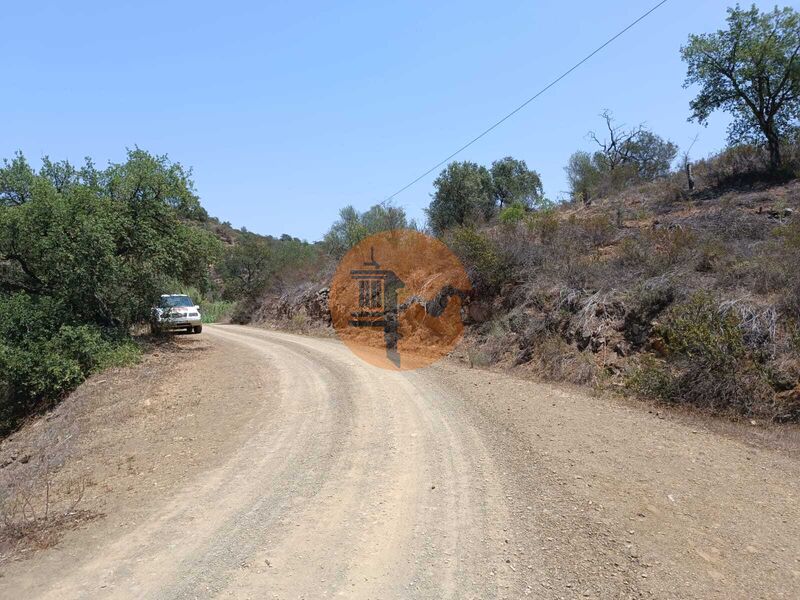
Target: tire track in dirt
(349, 480)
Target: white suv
(176, 311)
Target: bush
(788, 257)
(743, 165)
(652, 378)
(215, 312)
(41, 359)
(698, 330)
(513, 214)
(627, 157)
(488, 267)
(656, 251)
(556, 360)
(599, 229)
(794, 336)
(711, 253)
(646, 302)
(560, 252)
(708, 363)
(84, 255)
(544, 223)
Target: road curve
(358, 482)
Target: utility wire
(529, 100)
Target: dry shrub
(491, 345)
(655, 251)
(757, 323)
(544, 224)
(793, 335)
(711, 254)
(744, 165)
(478, 356)
(487, 262)
(598, 229)
(555, 360)
(710, 360)
(243, 312)
(36, 504)
(730, 223)
(599, 316)
(563, 252)
(743, 390)
(787, 254)
(645, 302)
(519, 244)
(651, 377)
(771, 269)
(665, 192)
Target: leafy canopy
(752, 71)
(256, 263)
(101, 243)
(467, 193)
(514, 182)
(625, 156)
(352, 226)
(85, 253)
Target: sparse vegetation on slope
(594, 290)
(677, 281)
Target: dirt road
(332, 478)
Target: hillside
(688, 297)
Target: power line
(529, 100)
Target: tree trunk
(689, 176)
(774, 146)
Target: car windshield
(176, 301)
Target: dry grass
(36, 506)
(42, 493)
(591, 282)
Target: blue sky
(288, 111)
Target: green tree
(651, 155)
(247, 267)
(512, 214)
(104, 246)
(352, 226)
(384, 217)
(345, 232)
(465, 193)
(625, 156)
(84, 254)
(256, 264)
(632, 154)
(583, 176)
(514, 182)
(16, 181)
(752, 71)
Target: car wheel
(198, 329)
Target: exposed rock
(316, 305)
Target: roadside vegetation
(669, 276)
(673, 276)
(84, 252)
